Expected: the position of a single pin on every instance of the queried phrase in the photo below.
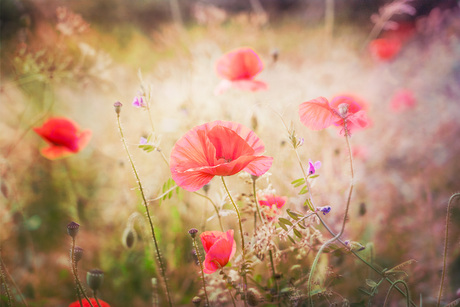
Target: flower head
(139, 102)
(86, 304)
(312, 167)
(219, 248)
(273, 202)
(402, 100)
(325, 210)
(343, 111)
(217, 148)
(238, 68)
(384, 49)
(63, 137)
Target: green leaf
(297, 233)
(313, 176)
(292, 240)
(304, 190)
(285, 221)
(298, 182)
(283, 226)
(293, 215)
(371, 283)
(309, 204)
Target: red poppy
(384, 48)
(273, 202)
(318, 113)
(86, 304)
(219, 248)
(63, 137)
(219, 148)
(403, 100)
(238, 69)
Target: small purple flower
(325, 210)
(313, 166)
(143, 141)
(139, 102)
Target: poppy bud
(193, 232)
(94, 279)
(77, 253)
(343, 109)
(129, 237)
(117, 105)
(72, 229)
(206, 187)
(253, 297)
(196, 301)
(275, 54)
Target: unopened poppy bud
(275, 54)
(206, 187)
(72, 229)
(193, 232)
(196, 301)
(343, 109)
(253, 297)
(129, 237)
(94, 279)
(77, 253)
(117, 105)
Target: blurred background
(75, 58)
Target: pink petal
(259, 166)
(316, 114)
(54, 152)
(242, 63)
(228, 144)
(249, 85)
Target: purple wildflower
(139, 102)
(313, 166)
(143, 141)
(325, 210)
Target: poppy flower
(402, 100)
(86, 304)
(219, 248)
(238, 68)
(273, 203)
(63, 137)
(384, 49)
(318, 114)
(218, 148)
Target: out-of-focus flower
(403, 100)
(344, 111)
(219, 248)
(273, 202)
(238, 68)
(325, 210)
(313, 166)
(384, 49)
(139, 102)
(63, 137)
(86, 304)
(70, 23)
(360, 152)
(218, 148)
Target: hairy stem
(95, 297)
(141, 189)
(393, 286)
(202, 270)
(446, 239)
(242, 241)
(273, 272)
(73, 263)
(2, 276)
(256, 202)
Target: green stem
(8, 295)
(456, 195)
(75, 274)
(255, 200)
(242, 242)
(95, 297)
(393, 286)
(202, 270)
(160, 260)
(274, 273)
(215, 208)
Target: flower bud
(206, 187)
(253, 297)
(117, 105)
(193, 232)
(77, 253)
(129, 237)
(94, 279)
(196, 301)
(72, 229)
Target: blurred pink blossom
(403, 100)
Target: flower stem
(255, 199)
(456, 195)
(393, 286)
(273, 272)
(202, 270)
(5, 285)
(141, 189)
(95, 297)
(73, 263)
(215, 208)
(242, 241)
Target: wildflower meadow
(230, 153)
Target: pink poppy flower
(86, 304)
(273, 203)
(63, 137)
(384, 49)
(238, 68)
(219, 148)
(219, 248)
(318, 114)
(403, 100)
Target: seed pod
(72, 229)
(94, 279)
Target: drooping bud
(129, 237)
(196, 301)
(253, 297)
(193, 232)
(275, 54)
(206, 187)
(72, 229)
(94, 279)
(77, 253)
(117, 105)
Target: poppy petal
(249, 85)
(259, 166)
(316, 114)
(55, 152)
(241, 63)
(228, 144)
